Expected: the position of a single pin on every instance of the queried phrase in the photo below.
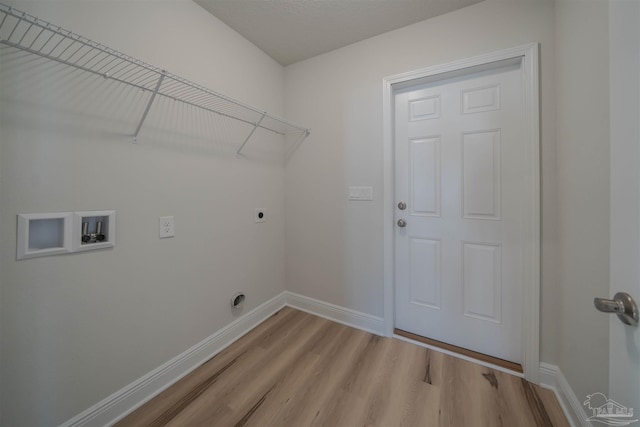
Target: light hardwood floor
(298, 370)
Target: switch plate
(361, 193)
(260, 215)
(167, 227)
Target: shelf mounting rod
(146, 110)
(251, 134)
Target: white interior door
(459, 162)
(624, 341)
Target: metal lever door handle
(622, 305)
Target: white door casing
(459, 168)
(528, 305)
(624, 341)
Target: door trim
(528, 55)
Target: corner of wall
(124, 401)
(582, 58)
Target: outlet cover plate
(167, 227)
(361, 194)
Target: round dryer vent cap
(237, 300)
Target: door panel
(459, 163)
(425, 283)
(481, 281)
(425, 176)
(481, 175)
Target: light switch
(361, 193)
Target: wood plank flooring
(296, 369)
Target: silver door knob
(402, 223)
(402, 206)
(622, 305)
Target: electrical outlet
(167, 228)
(261, 215)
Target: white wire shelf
(28, 33)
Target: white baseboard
(126, 400)
(339, 314)
(551, 377)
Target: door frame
(624, 131)
(528, 55)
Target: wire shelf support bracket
(251, 134)
(25, 32)
(147, 108)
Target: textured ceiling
(292, 30)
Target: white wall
(335, 247)
(582, 82)
(77, 328)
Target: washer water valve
(87, 237)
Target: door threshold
(512, 366)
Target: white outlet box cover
(52, 234)
(361, 193)
(167, 227)
(44, 234)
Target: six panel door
(459, 166)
